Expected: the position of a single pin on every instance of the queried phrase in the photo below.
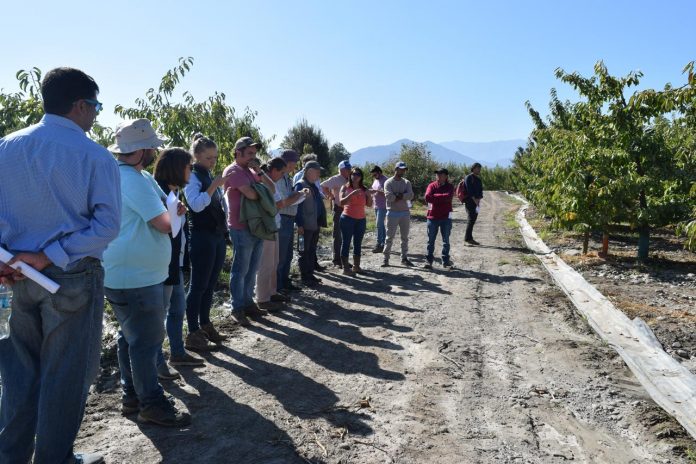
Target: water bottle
(5, 311)
(300, 243)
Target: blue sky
(366, 72)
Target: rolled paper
(29, 272)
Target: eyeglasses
(97, 105)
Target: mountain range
(487, 153)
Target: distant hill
(486, 153)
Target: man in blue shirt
(60, 206)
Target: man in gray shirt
(399, 194)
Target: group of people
(100, 225)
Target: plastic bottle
(5, 311)
(300, 243)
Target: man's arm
(408, 194)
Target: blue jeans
(352, 229)
(445, 227)
(286, 234)
(207, 254)
(246, 254)
(380, 216)
(49, 362)
(140, 313)
(175, 301)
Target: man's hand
(180, 209)
(9, 276)
(38, 261)
(398, 196)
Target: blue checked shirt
(60, 192)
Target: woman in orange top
(354, 197)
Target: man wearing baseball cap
(380, 204)
(439, 196)
(332, 187)
(246, 248)
(286, 232)
(137, 264)
(399, 194)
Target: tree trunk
(605, 245)
(643, 243)
(585, 242)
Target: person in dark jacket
(172, 173)
(311, 216)
(439, 196)
(474, 188)
(208, 229)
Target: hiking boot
(88, 458)
(212, 333)
(447, 263)
(253, 310)
(319, 268)
(240, 319)
(129, 404)
(356, 265)
(406, 262)
(280, 298)
(428, 265)
(337, 262)
(164, 413)
(198, 341)
(346, 266)
(269, 307)
(385, 263)
(186, 359)
(165, 373)
(378, 249)
(471, 241)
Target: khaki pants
(404, 224)
(267, 277)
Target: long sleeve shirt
(60, 192)
(394, 186)
(439, 199)
(474, 186)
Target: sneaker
(186, 359)
(406, 262)
(240, 319)
(471, 241)
(280, 298)
(198, 341)
(212, 333)
(268, 307)
(164, 413)
(337, 262)
(428, 265)
(447, 263)
(378, 249)
(319, 268)
(164, 372)
(385, 263)
(129, 404)
(253, 310)
(88, 458)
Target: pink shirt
(355, 208)
(240, 177)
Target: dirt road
(486, 362)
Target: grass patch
(503, 262)
(511, 220)
(529, 260)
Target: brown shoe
(198, 341)
(356, 265)
(253, 310)
(270, 306)
(240, 319)
(212, 334)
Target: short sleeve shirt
(334, 183)
(139, 256)
(239, 177)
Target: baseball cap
(245, 142)
(400, 165)
(442, 171)
(289, 156)
(312, 165)
(137, 134)
(345, 164)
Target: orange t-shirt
(355, 208)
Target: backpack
(461, 191)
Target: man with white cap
(399, 194)
(332, 188)
(60, 205)
(137, 265)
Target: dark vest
(212, 218)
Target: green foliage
(178, 121)
(607, 159)
(421, 166)
(24, 108)
(302, 135)
(338, 153)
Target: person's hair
(62, 87)
(276, 163)
(200, 143)
(171, 165)
(376, 169)
(474, 166)
(355, 170)
(309, 157)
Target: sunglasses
(97, 105)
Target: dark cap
(312, 165)
(245, 142)
(442, 171)
(376, 169)
(290, 156)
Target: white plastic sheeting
(669, 383)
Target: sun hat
(137, 134)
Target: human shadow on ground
(517, 249)
(372, 288)
(335, 356)
(299, 395)
(383, 282)
(222, 430)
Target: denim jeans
(336, 232)
(286, 234)
(140, 313)
(245, 261)
(352, 228)
(175, 302)
(380, 216)
(445, 227)
(49, 362)
(207, 251)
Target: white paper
(409, 204)
(300, 199)
(478, 208)
(172, 206)
(30, 272)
